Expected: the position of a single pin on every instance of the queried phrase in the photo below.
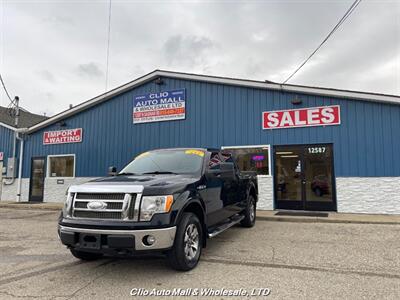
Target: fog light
(149, 240)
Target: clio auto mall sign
(302, 117)
(66, 136)
(161, 106)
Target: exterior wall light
(297, 101)
(159, 81)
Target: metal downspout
(21, 157)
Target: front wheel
(186, 251)
(249, 213)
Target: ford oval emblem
(96, 205)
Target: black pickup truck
(167, 200)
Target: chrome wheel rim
(191, 242)
(252, 211)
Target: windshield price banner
(162, 106)
(62, 136)
(302, 117)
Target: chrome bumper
(164, 237)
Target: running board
(221, 228)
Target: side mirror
(112, 171)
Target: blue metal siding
(6, 143)
(367, 143)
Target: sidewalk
(262, 215)
(333, 217)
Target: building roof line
(26, 118)
(285, 87)
(94, 101)
(355, 95)
(8, 126)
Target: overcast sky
(53, 53)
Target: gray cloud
(246, 39)
(47, 75)
(59, 20)
(91, 70)
(187, 51)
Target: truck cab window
(217, 158)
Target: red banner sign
(62, 136)
(1, 157)
(302, 117)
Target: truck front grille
(115, 206)
(100, 196)
(98, 215)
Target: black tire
(179, 256)
(249, 213)
(86, 255)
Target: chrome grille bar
(101, 196)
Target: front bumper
(104, 240)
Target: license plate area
(90, 241)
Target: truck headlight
(153, 205)
(67, 205)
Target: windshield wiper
(160, 172)
(126, 174)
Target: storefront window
(251, 158)
(61, 166)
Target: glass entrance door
(36, 187)
(304, 177)
(289, 177)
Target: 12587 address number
(315, 150)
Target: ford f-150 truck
(167, 200)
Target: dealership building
(312, 148)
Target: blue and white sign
(161, 106)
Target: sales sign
(62, 136)
(161, 106)
(302, 117)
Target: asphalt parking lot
(293, 260)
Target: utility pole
(16, 100)
(14, 112)
(17, 137)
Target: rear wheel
(249, 213)
(86, 255)
(186, 251)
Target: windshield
(185, 161)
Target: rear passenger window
(217, 158)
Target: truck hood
(152, 184)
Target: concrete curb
(53, 207)
(323, 220)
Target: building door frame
(302, 203)
(37, 198)
(1, 176)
